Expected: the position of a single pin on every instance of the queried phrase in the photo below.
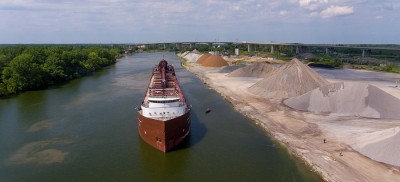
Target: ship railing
(165, 118)
(162, 89)
(163, 96)
(146, 104)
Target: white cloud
(284, 12)
(333, 11)
(311, 4)
(236, 8)
(379, 17)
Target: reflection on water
(86, 130)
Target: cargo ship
(164, 116)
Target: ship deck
(167, 90)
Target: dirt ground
(303, 133)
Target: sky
(151, 21)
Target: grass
(387, 68)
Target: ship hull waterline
(164, 135)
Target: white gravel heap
(348, 98)
(192, 57)
(290, 80)
(259, 70)
(382, 146)
(184, 53)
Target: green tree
(3, 62)
(93, 62)
(73, 67)
(23, 73)
(54, 69)
(33, 67)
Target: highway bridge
(365, 50)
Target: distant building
(141, 46)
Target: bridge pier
(328, 50)
(210, 45)
(298, 50)
(274, 48)
(236, 51)
(251, 48)
(366, 52)
(178, 46)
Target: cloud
(151, 20)
(333, 11)
(236, 8)
(311, 4)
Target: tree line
(34, 67)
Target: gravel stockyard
(339, 144)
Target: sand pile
(290, 80)
(202, 58)
(214, 61)
(348, 98)
(382, 146)
(259, 70)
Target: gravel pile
(259, 70)
(348, 98)
(213, 61)
(234, 67)
(290, 80)
(382, 146)
(202, 58)
(192, 57)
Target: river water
(86, 130)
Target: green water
(86, 130)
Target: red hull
(164, 135)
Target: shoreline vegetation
(378, 60)
(33, 67)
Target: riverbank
(323, 141)
(26, 68)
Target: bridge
(365, 50)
